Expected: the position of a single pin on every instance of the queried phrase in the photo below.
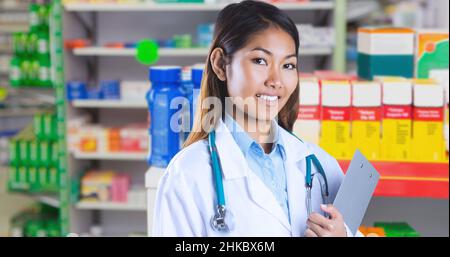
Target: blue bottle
(187, 87)
(165, 129)
(197, 73)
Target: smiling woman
(254, 53)
(242, 145)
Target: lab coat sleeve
(176, 213)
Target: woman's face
(262, 76)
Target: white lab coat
(186, 197)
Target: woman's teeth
(268, 98)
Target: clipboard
(356, 191)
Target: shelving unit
(197, 7)
(411, 179)
(119, 104)
(19, 107)
(110, 206)
(175, 52)
(10, 28)
(111, 156)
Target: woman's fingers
(321, 220)
(317, 229)
(333, 211)
(310, 233)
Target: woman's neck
(258, 130)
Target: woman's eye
(290, 66)
(260, 61)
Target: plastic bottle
(44, 72)
(164, 125)
(25, 66)
(34, 16)
(34, 73)
(15, 72)
(42, 43)
(187, 87)
(197, 73)
(32, 44)
(16, 42)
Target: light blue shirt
(269, 167)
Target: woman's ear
(217, 60)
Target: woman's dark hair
(234, 27)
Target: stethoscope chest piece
(222, 220)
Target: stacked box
(397, 229)
(366, 118)
(428, 122)
(397, 119)
(34, 156)
(441, 76)
(307, 126)
(385, 52)
(431, 52)
(336, 118)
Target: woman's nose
(274, 80)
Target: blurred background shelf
(182, 7)
(111, 156)
(110, 206)
(174, 52)
(109, 104)
(11, 28)
(410, 179)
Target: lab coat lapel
(295, 167)
(234, 165)
(265, 199)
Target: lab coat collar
(234, 165)
(231, 155)
(232, 159)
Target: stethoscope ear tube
(216, 169)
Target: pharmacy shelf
(111, 156)
(106, 51)
(5, 49)
(359, 9)
(182, 7)
(165, 52)
(410, 179)
(11, 28)
(109, 104)
(47, 199)
(110, 206)
(13, 8)
(18, 112)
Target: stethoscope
(221, 221)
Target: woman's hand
(320, 226)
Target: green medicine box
(14, 154)
(52, 178)
(38, 126)
(397, 229)
(45, 153)
(13, 174)
(33, 179)
(34, 153)
(42, 175)
(24, 152)
(49, 126)
(370, 66)
(54, 155)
